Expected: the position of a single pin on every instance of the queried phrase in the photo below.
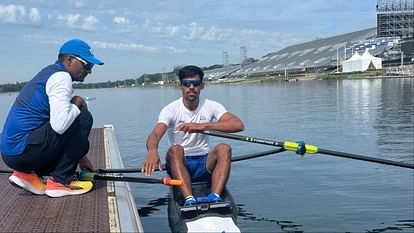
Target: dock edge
(123, 212)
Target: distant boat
(87, 98)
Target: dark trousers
(57, 155)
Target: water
(287, 192)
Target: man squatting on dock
(188, 157)
(46, 131)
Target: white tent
(362, 63)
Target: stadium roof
(220, 72)
(320, 52)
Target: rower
(189, 157)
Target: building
(395, 18)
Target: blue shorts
(196, 166)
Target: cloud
(34, 15)
(12, 13)
(17, 14)
(78, 4)
(207, 33)
(120, 20)
(70, 20)
(75, 21)
(193, 31)
(172, 30)
(89, 23)
(136, 47)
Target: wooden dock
(109, 207)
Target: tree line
(169, 77)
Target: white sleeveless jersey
(176, 113)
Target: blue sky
(134, 37)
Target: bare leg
(219, 163)
(175, 158)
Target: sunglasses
(187, 83)
(86, 65)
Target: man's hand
(78, 101)
(151, 162)
(191, 127)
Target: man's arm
(62, 112)
(153, 140)
(228, 122)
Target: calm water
(287, 192)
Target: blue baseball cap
(80, 48)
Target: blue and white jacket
(45, 98)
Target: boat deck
(109, 207)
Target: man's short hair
(190, 71)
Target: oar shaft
(303, 148)
(233, 159)
(165, 181)
(256, 155)
(124, 170)
(6, 171)
(243, 138)
(365, 158)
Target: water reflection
(395, 129)
(152, 206)
(159, 204)
(287, 226)
(401, 226)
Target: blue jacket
(30, 111)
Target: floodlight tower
(243, 54)
(225, 58)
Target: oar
(92, 176)
(6, 171)
(87, 175)
(302, 148)
(257, 154)
(234, 159)
(124, 170)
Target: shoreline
(249, 80)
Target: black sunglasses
(187, 83)
(86, 65)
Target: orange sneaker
(28, 181)
(76, 187)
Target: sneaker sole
(19, 183)
(62, 193)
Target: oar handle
(172, 182)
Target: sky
(134, 37)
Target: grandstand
(392, 40)
(317, 54)
(220, 73)
(309, 57)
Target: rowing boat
(203, 217)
